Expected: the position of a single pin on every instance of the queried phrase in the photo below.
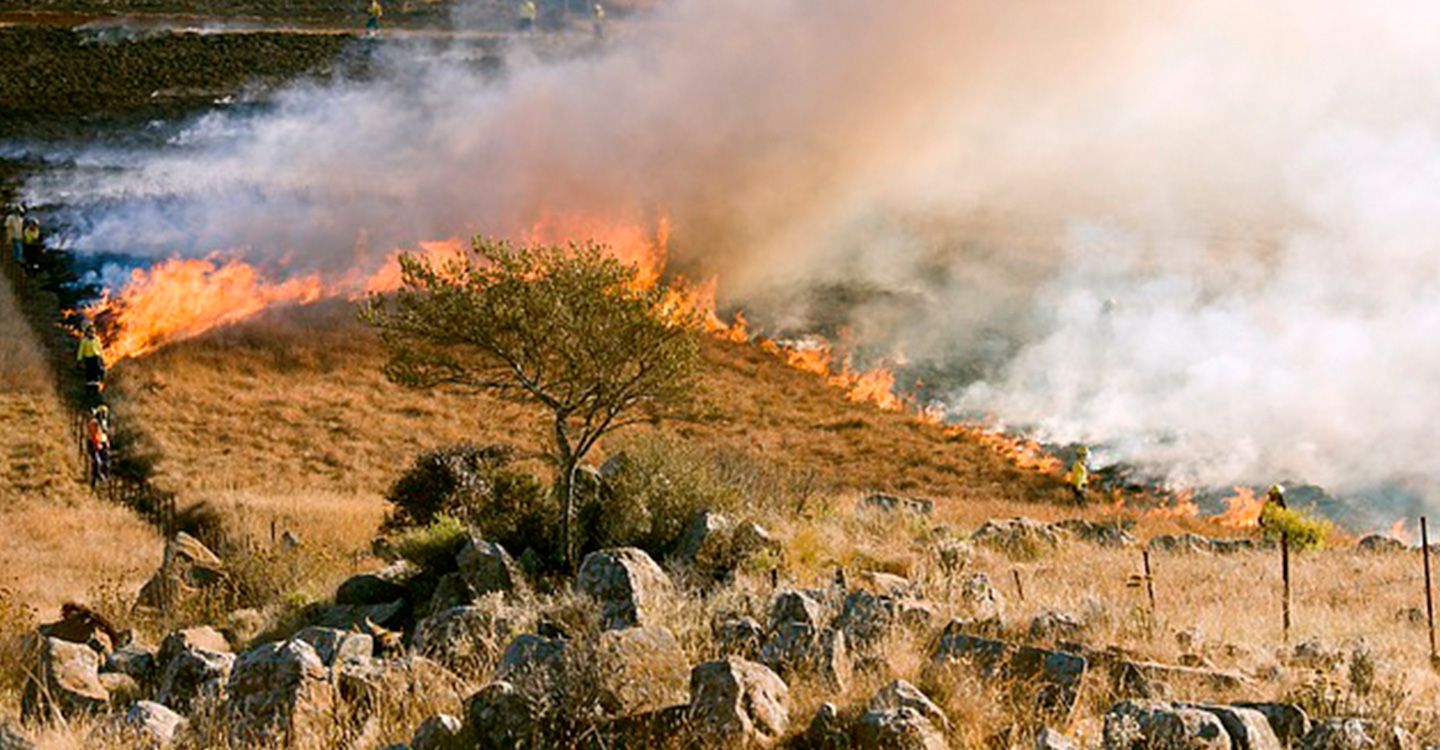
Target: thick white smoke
(963, 181)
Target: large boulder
(1289, 721)
(135, 660)
(193, 675)
(188, 639)
(365, 684)
(187, 570)
(1051, 679)
(487, 568)
(641, 669)
(1354, 734)
(897, 729)
(154, 722)
(471, 636)
(795, 607)
(64, 681)
(1146, 725)
(1248, 729)
(534, 664)
(804, 649)
(439, 732)
(501, 717)
(277, 691)
(334, 645)
(1019, 537)
(379, 587)
(706, 543)
(80, 624)
(901, 694)
(627, 583)
(739, 636)
(737, 703)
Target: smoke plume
(956, 184)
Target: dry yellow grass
(56, 540)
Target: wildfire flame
(1242, 509)
(1181, 506)
(1401, 532)
(1021, 452)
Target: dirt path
(56, 541)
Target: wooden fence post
(1285, 577)
(1429, 598)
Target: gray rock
(135, 660)
(502, 717)
(1289, 722)
(1137, 725)
(1102, 534)
(278, 690)
(534, 664)
(365, 683)
(797, 648)
(354, 616)
(897, 504)
(1248, 729)
(641, 670)
(188, 569)
(1181, 543)
(1354, 734)
(468, 637)
(1148, 679)
(978, 598)
(333, 644)
(439, 732)
(627, 583)
(790, 606)
(901, 694)
(739, 636)
(179, 641)
(897, 729)
(738, 703)
(193, 675)
(65, 682)
(1052, 625)
(11, 738)
(1050, 739)
(451, 591)
(1018, 537)
(827, 731)
(707, 543)
(380, 587)
(488, 568)
(1051, 679)
(867, 618)
(154, 721)
(122, 688)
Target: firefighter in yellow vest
(92, 362)
(1274, 497)
(1079, 476)
(528, 15)
(597, 20)
(372, 19)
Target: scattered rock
(1049, 739)
(192, 675)
(135, 660)
(1248, 729)
(439, 732)
(795, 607)
(641, 670)
(1377, 544)
(886, 584)
(1289, 722)
(895, 504)
(1148, 679)
(897, 729)
(487, 568)
(122, 688)
(1315, 654)
(736, 703)
(380, 587)
(1132, 725)
(12, 738)
(627, 583)
(65, 682)
(751, 538)
(707, 542)
(365, 682)
(1354, 734)
(1054, 676)
(355, 616)
(797, 647)
(80, 624)
(739, 636)
(468, 636)
(1237, 545)
(332, 644)
(1102, 534)
(901, 694)
(1052, 625)
(451, 591)
(978, 598)
(1181, 543)
(501, 717)
(534, 664)
(827, 731)
(187, 569)
(154, 721)
(179, 641)
(279, 690)
(1018, 536)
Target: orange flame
(1021, 452)
(180, 298)
(1242, 509)
(1401, 532)
(1181, 507)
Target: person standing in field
(33, 244)
(372, 19)
(1079, 476)
(528, 14)
(97, 437)
(91, 357)
(597, 21)
(15, 232)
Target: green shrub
(433, 547)
(517, 511)
(656, 485)
(444, 481)
(1306, 531)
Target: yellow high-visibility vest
(527, 10)
(90, 347)
(1079, 475)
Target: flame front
(1242, 509)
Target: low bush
(433, 547)
(1305, 530)
(445, 481)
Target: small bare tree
(568, 328)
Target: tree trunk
(568, 462)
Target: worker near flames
(1274, 497)
(1079, 476)
(34, 244)
(597, 20)
(372, 19)
(528, 14)
(97, 437)
(15, 232)
(92, 362)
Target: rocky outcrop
(187, 570)
(193, 675)
(487, 568)
(827, 731)
(380, 587)
(795, 607)
(1018, 536)
(534, 664)
(135, 660)
(469, 636)
(334, 645)
(501, 717)
(897, 504)
(277, 692)
(439, 732)
(1289, 722)
(737, 703)
(179, 641)
(739, 636)
(154, 722)
(715, 545)
(64, 682)
(901, 694)
(897, 729)
(641, 670)
(1050, 679)
(797, 648)
(627, 583)
(1354, 734)
(1141, 726)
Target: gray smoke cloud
(955, 184)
